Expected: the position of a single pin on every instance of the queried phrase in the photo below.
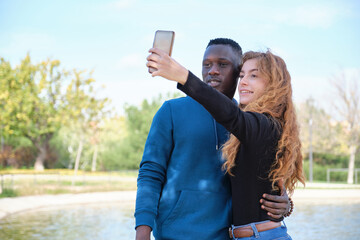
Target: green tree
(348, 106)
(326, 132)
(84, 112)
(111, 138)
(124, 149)
(37, 102)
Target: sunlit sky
(317, 39)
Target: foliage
(348, 105)
(35, 103)
(125, 151)
(327, 134)
(17, 157)
(8, 193)
(324, 161)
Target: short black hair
(226, 41)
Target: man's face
(220, 68)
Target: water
(116, 221)
(78, 222)
(331, 221)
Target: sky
(317, 39)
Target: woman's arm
(223, 109)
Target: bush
(320, 172)
(8, 193)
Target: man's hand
(277, 206)
(143, 232)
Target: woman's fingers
(157, 51)
(153, 57)
(165, 66)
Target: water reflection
(116, 221)
(331, 221)
(76, 222)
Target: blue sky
(317, 39)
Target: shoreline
(9, 206)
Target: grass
(29, 182)
(40, 188)
(67, 172)
(25, 182)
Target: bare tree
(347, 104)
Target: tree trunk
(350, 179)
(78, 155)
(41, 143)
(93, 165)
(41, 157)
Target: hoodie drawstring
(216, 136)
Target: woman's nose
(244, 81)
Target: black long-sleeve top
(258, 134)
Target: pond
(115, 221)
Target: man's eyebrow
(227, 59)
(221, 59)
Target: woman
(264, 147)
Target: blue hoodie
(182, 191)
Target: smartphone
(163, 40)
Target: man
(182, 191)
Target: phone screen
(163, 40)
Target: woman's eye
(241, 76)
(253, 75)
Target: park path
(19, 204)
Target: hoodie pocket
(177, 208)
(196, 209)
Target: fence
(329, 170)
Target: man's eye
(223, 64)
(206, 65)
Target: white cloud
(311, 15)
(20, 43)
(131, 61)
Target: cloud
(134, 60)
(20, 43)
(311, 16)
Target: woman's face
(252, 83)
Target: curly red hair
(276, 102)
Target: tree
(36, 105)
(31, 101)
(326, 132)
(348, 106)
(138, 121)
(123, 138)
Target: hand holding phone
(163, 40)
